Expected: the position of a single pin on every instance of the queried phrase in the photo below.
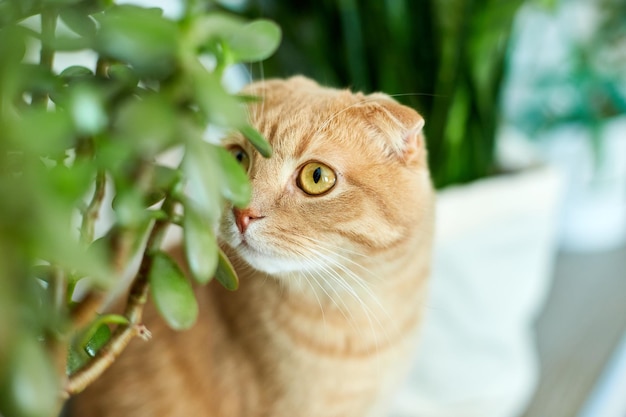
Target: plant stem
(56, 341)
(121, 240)
(46, 55)
(137, 298)
(92, 211)
(101, 67)
(84, 311)
(82, 378)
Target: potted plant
(76, 138)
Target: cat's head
(347, 182)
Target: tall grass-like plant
(68, 137)
(446, 58)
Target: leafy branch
(137, 298)
(75, 139)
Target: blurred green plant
(445, 58)
(68, 139)
(588, 87)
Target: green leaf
(129, 207)
(131, 238)
(235, 184)
(200, 246)
(220, 107)
(149, 124)
(76, 359)
(43, 272)
(163, 180)
(44, 132)
(75, 72)
(154, 196)
(89, 344)
(203, 180)
(205, 28)
(123, 73)
(98, 249)
(85, 104)
(60, 2)
(12, 44)
(56, 245)
(79, 22)
(140, 37)
(94, 6)
(70, 44)
(30, 386)
(225, 273)
(70, 182)
(172, 293)
(113, 154)
(245, 42)
(100, 337)
(257, 140)
(255, 41)
(38, 80)
(165, 177)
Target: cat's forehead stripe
(271, 130)
(291, 130)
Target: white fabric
(493, 256)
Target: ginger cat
(333, 255)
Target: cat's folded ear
(401, 126)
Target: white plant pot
(494, 251)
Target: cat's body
(332, 278)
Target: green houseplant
(444, 58)
(68, 138)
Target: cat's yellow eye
(241, 156)
(316, 178)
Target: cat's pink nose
(243, 217)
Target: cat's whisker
(317, 266)
(418, 95)
(333, 252)
(375, 326)
(357, 279)
(335, 284)
(347, 273)
(326, 122)
(319, 269)
(332, 246)
(329, 258)
(341, 282)
(337, 299)
(306, 276)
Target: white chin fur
(260, 259)
(268, 263)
